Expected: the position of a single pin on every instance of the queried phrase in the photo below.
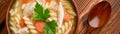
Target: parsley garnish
(41, 14)
(50, 27)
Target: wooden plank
(112, 26)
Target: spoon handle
(89, 29)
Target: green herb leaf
(40, 14)
(50, 27)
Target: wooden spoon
(98, 16)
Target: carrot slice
(25, 1)
(48, 1)
(39, 25)
(57, 1)
(67, 17)
(22, 24)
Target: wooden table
(112, 27)
(113, 24)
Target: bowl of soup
(41, 17)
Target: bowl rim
(8, 30)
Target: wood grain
(111, 27)
(4, 4)
(82, 8)
(4, 7)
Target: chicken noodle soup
(42, 17)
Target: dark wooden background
(83, 7)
